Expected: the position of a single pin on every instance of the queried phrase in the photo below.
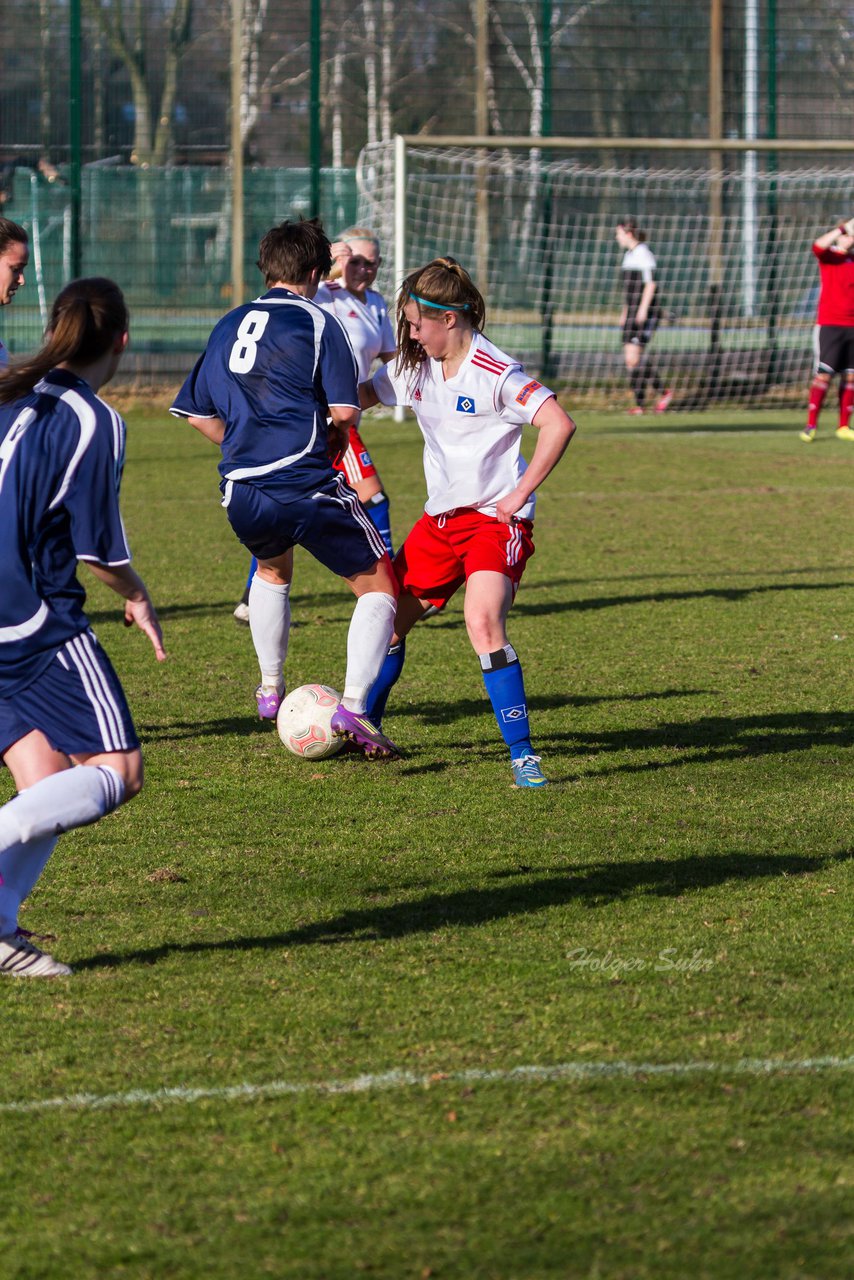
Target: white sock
(368, 639)
(73, 798)
(20, 868)
(270, 625)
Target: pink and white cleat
(268, 700)
(357, 729)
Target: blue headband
(441, 306)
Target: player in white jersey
(61, 704)
(363, 314)
(14, 257)
(640, 315)
(471, 401)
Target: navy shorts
(331, 523)
(76, 702)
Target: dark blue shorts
(331, 523)
(76, 702)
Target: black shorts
(639, 334)
(835, 348)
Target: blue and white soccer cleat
(527, 772)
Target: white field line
(571, 1071)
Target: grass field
(342, 1019)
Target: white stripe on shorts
(83, 652)
(348, 498)
(514, 545)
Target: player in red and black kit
(834, 338)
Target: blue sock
(502, 675)
(385, 681)
(378, 510)
(253, 566)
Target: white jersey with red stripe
(472, 425)
(366, 322)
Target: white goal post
(533, 220)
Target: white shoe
(21, 958)
(241, 613)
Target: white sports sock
(20, 868)
(368, 639)
(73, 798)
(270, 625)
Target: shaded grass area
(682, 892)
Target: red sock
(818, 391)
(846, 403)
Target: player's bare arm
(555, 430)
(645, 302)
(342, 418)
(368, 397)
(212, 429)
(839, 237)
(139, 610)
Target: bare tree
(139, 41)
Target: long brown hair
(85, 320)
(442, 284)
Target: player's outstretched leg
(371, 629)
(502, 676)
(29, 825)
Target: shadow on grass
(730, 594)
(447, 713)
(712, 738)
(311, 609)
(705, 740)
(594, 884)
(690, 428)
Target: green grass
(682, 893)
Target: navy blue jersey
(61, 459)
(270, 371)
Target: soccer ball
(304, 721)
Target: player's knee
(485, 631)
(129, 766)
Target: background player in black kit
(640, 315)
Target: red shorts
(356, 463)
(442, 551)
